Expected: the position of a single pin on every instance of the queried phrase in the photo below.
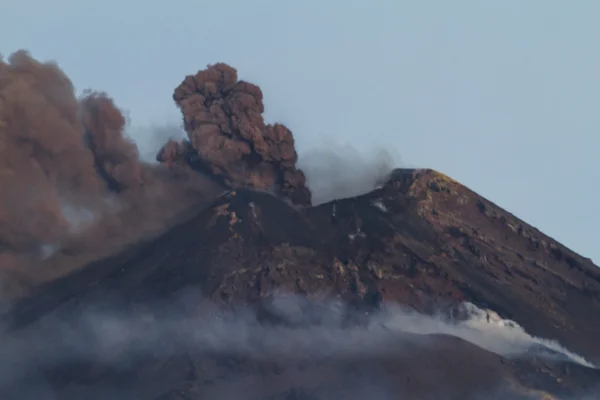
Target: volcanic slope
(421, 240)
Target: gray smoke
(335, 171)
(111, 337)
(150, 138)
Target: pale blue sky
(502, 95)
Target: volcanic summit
(211, 276)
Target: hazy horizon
(500, 96)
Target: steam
(155, 136)
(506, 337)
(305, 331)
(486, 329)
(336, 171)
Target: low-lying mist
(297, 329)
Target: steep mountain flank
(421, 240)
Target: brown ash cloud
(73, 185)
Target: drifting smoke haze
(155, 136)
(305, 331)
(335, 171)
(73, 182)
(45, 163)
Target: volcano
(418, 289)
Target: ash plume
(155, 137)
(228, 136)
(66, 164)
(116, 158)
(43, 158)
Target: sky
(503, 96)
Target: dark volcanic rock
(421, 240)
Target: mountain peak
(212, 276)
